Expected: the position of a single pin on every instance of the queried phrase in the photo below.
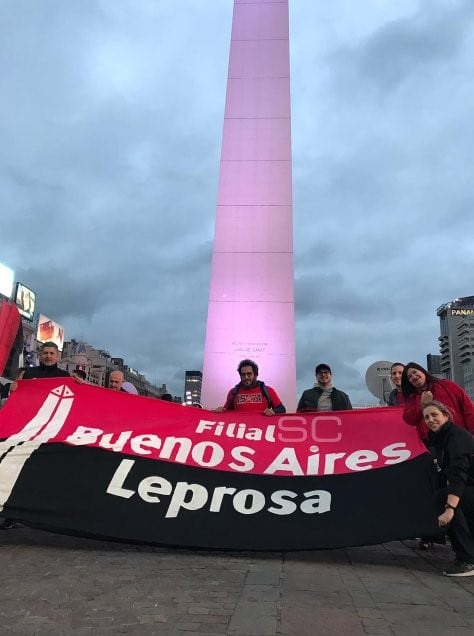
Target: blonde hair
(445, 410)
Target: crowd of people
(48, 368)
(441, 411)
(251, 394)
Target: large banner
(11, 338)
(91, 461)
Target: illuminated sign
(462, 312)
(25, 300)
(50, 331)
(6, 281)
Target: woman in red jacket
(419, 387)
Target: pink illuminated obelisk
(251, 302)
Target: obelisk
(251, 301)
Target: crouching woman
(454, 450)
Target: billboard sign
(25, 300)
(6, 281)
(50, 331)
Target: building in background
(98, 364)
(80, 355)
(192, 387)
(433, 365)
(456, 341)
(33, 329)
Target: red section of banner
(341, 442)
(10, 321)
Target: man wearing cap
(323, 396)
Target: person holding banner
(453, 448)
(395, 397)
(324, 396)
(116, 380)
(419, 387)
(250, 394)
(47, 368)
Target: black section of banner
(64, 488)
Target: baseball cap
(323, 367)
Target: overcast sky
(111, 115)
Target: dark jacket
(310, 398)
(42, 371)
(454, 450)
(392, 399)
(5, 390)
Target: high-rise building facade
(456, 341)
(192, 387)
(433, 365)
(251, 299)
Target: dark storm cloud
(111, 174)
(65, 294)
(329, 293)
(410, 45)
(111, 121)
(381, 184)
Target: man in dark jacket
(323, 396)
(48, 366)
(395, 397)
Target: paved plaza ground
(55, 584)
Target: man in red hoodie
(251, 394)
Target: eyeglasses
(249, 373)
